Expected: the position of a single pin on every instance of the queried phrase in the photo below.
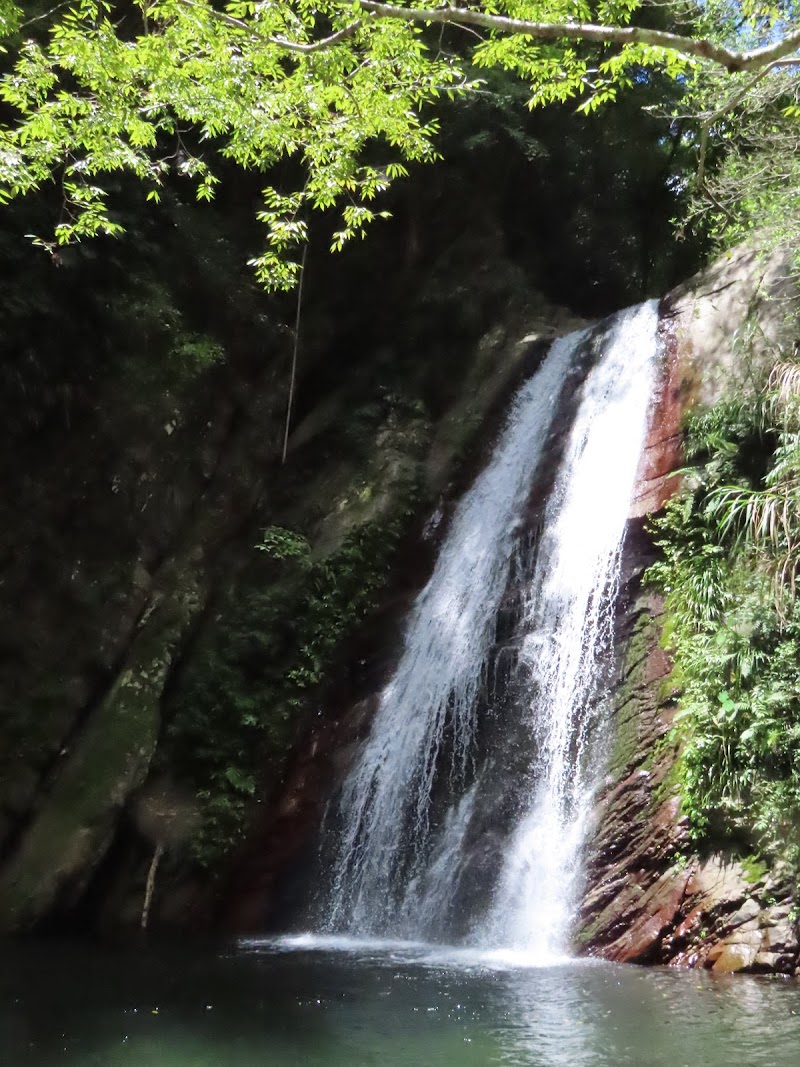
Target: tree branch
(44, 15)
(729, 105)
(780, 52)
(317, 46)
(220, 16)
(588, 31)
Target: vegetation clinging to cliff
(275, 635)
(734, 643)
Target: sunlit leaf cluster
(176, 84)
(331, 101)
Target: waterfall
(568, 628)
(386, 800)
(409, 806)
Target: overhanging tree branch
(588, 31)
(318, 46)
(238, 88)
(698, 47)
(709, 118)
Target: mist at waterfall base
(449, 743)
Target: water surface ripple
(282, 1004)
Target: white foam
(421, 953)
(382, 881)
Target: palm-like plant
(729, 567)
(765, 520)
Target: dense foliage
(273, 638)
(236, 715)
(734, 629)
(746, 132)
(331, 101)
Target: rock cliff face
(270, 878)
(648, 898)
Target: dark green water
(255, 1006)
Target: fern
(730, 552)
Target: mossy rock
(71, 831)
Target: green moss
(670, 785)
(754, 869)
(626, 737)
(587, 933)
(631, 695)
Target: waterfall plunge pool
(331, 1003)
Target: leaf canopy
(330, 100)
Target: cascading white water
(395, 870)
(386, 800)
(568, 632)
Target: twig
(44, 15)
(317, 46)
(282, 42)
(295, 350)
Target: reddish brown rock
(663, 449)
(282, 835)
